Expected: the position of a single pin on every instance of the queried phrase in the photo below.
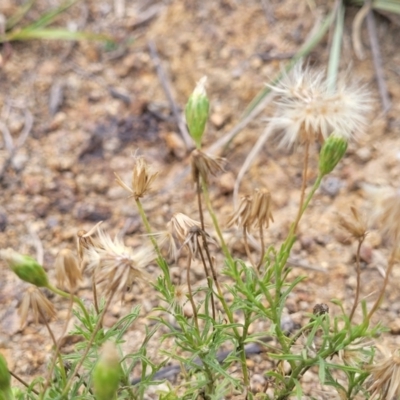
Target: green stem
(147, 226)
(280, 264)
(224, 247)
(66, 295)
(153, 241)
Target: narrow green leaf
(321, 370)
(19, 14)
(52, 34)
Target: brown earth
(87, 108)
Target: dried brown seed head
(355, 224)
(204, 165)
(116, 266)
(242, 216)
(385, 376)
(261, 208)
(142, 178)
(181, 225)
(68, 273)
(386, 210)
(36, 302)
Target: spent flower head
(36, 302)
(204, 165)
(116, 266)
(142, 178)
(355, 224)
(68, 273)
(385, 375)
(253, 211)
(187, 232)
(308, 110)
(261, 208)
(386, 210)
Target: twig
(26, 384)
(377, 59)
(167, 89)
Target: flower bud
(196, 112)
(331, 153)
(107, 373)
(5, 380)
(26, 267)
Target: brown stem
(303, 185)
(209, 277)
(210, 261)
(358, 265)
(392, 262)
(191, 293)
(26, 384)
(198, 188)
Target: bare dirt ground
(89, 108)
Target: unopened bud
(26, 267)
(107, 373)
(5, 380)
(331, 153)
(196, 112)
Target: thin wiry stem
(88, 347)
(228, 313)
(392, 262)
(358, 266)
(94, 288)
(247, 248)
(147, 226)
(57, 349)
(26, 384)
(191, 293)
(57, 354)
(210, 209)
(66, 295)
(262, 248)
(198, 192)
(209, 277)
(303, 184)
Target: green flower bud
(331, 153)
(196, 112)
(5, 380)
(107, 373)
(26, 267)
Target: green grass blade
(334, 56)
(19, 14)
(53, 34)
(49, 17)
(384, 5)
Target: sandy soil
(88, 108)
